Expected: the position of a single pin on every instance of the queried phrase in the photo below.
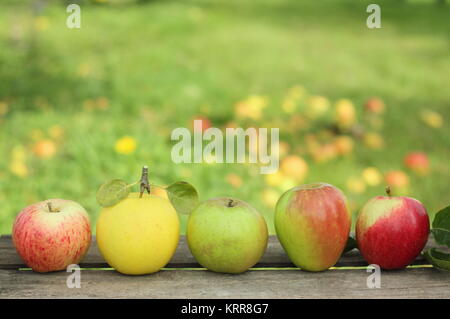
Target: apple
(138, 235)
(324, 153)
(313, 223)
(234, 180)
(372, 176)
(343, 144)
(398, 181)
(52, 234)
(397, 178)
(44, 149)
(373, 140)
(374, 105)
(345, 113)
(226, 235)
(295, 167)
(392, 231)
(418, 162)
(317, 106)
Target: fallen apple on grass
(392, 231)
(398, 182)
(313, 224)
(374, 105)
(417, 162)
(226, 235)
(295, 167)
(52, 234)
(44, 149)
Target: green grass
(161, 63)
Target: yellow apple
(372, 176)
(317, 106)
(345, 113)
(344, 144)
(295, 167)
(373, 140)
(44, 149)
(138, 235)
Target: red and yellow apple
(392, 231)
(417, 162)
(52, 234)
(374, 105)
(313, 223)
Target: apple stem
(145, 185)
(50, 208)
(230, 203)
(388, 191)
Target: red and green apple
(418, 162)
(392, 231)
(313, 223)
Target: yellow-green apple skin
(313, 224)
(51, 235)
(226, 235)
(138, 235)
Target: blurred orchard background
(357, 108)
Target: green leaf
(441, 227)
(438, 259)
(351, 244)
(112, 192)
(183, 196)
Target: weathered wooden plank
(274, 256)
(408, 283)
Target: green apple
(226, 235)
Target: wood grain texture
(184, 284)
(274, 256)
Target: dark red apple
(392, 231)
